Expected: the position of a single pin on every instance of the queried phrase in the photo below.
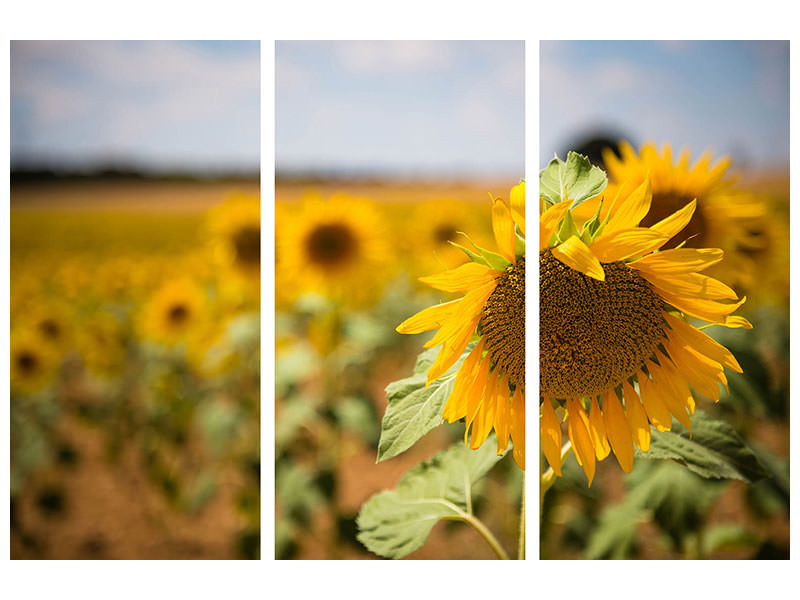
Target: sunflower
(33, 362)
(101, 343)
(235, 232)
(489, 388)
(724, 216)
(430, 228)
(174, 313)
(51, 320)
(336, 248)
(614, 335)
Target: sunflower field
(135, 370)
(358, 447)
(664, 357)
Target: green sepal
(474, 257)
(519, 245)
(592, 227)
(567, 228)
(492, 259)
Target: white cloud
(387, 56)
(126, 95)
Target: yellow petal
(680, 260)
(702, 373)
(637, 418)
(517, 201)
(518, 427)
(451, 350)
(551, 437)
(475, 392)
(619, 434)
(736, 322)
(578, 431)
(576, 255)
(483, 419)
(708, 310)
(517, 197)
(550, 220)
(503, 227)
(456, 406)
(674, 223)
(466, 312)
(597, 429)
(502, 415)
(702, 343)
(429, 318)
(633, 209)
(466, 277)
(626, 243)
(693, 285)
(656, 410)
(674, 390)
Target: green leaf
(396, 522)
(413, 409)
(715, 451)
(678, 499)
(575, 179)
(614, 536)
(728, 536)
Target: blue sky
(404, 108)
(159, 106)
(728, 96)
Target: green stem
(484, 532)
(521, 545)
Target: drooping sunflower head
(235, 228)
(488, 388)
(614, 331)
(337, 248)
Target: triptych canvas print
(362, 394)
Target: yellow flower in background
(52, 321)
(432, 225)
(723, 217)
(174, 312)
(337, 248)
(489, 388)
(101, 344)
(235, 231)
(33, 362)
(613, 331)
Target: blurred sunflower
(336, 248)
(432, 226)
(489, 388)
(765, 257)
(174, 312)
(52, 322)
(723, 216)
(613, 328)
(235, 232)
(33, 362)
(101, 343)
